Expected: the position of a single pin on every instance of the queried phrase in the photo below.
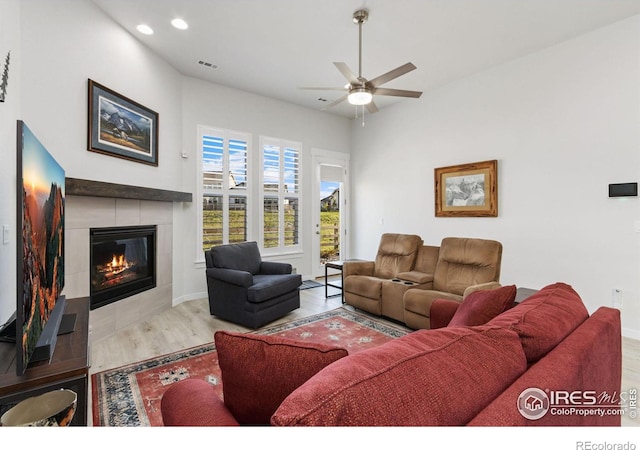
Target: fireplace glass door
(122, 263)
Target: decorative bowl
(52, 409)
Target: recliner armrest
(357, 268)
(237, 277)
(275, 268)
(416, 277)
(481, 287)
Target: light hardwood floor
(189, 324)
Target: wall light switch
(636, 226)
(5, 234)
(617, 298)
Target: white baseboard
(189, 297)
(631, 333)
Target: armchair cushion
(244, 256)
(480, 307)
(543, 320)
(259, 372)
(266, 287)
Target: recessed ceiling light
(180, 24)
(144, 29)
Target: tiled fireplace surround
(83, 213)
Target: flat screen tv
(40, 251)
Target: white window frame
(226, 192)
(282, 195)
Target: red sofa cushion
(589, 359)
(194, 403)
(480, 307)
(543, 320)
(258, 371)
(428, 377)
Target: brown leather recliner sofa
(378, 286)
(465, 265)
(407, 276)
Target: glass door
(330, 218)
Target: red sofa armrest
(194, 403)
(442, 311)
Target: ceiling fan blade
(322, 88)
(334, 103)
(397, 92)
(371, 107)
(392, 74)
(347, 73)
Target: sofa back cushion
(396, 253)
(480, 307)
(428, 377)
(463, 262)
(258, 371)
(243, 256)
(543, 320)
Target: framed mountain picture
(121, 127)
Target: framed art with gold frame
(467, 190)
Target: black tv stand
(68, 324)
(8, 330)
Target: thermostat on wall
(623, 190)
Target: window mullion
(225, 190)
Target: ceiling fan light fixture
(360, 96)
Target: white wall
(9, 113)
(563, 123)
(65, 43)
(218, 106)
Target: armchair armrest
(442, 311)
(275, 268)
(481, 287)
(357, 268)
(237, 277)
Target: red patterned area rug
(130, 395)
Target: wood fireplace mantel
(88, 188)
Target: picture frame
(467, 190)
(121, 127)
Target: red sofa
(542, 362)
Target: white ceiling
(273, 47)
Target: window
(225, 183)
(280, 194)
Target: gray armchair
(245, 290)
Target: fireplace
(122, 263)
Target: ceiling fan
(360, 91)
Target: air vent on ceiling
(207, 64)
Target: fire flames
(117, 265)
